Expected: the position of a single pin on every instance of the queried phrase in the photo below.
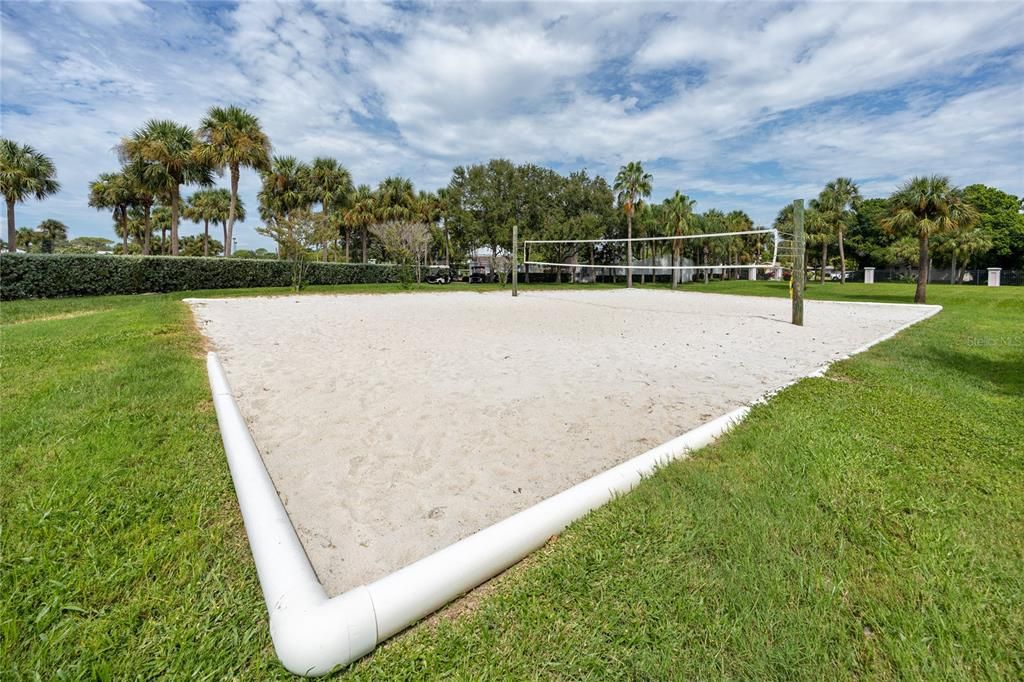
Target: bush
(57, 275)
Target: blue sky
(741, 106)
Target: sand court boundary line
(314, 634)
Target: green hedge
(55, 275)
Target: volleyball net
(737, 255)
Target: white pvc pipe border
(314, 634)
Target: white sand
(394, 425)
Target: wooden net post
(799, 270)
(515, 260)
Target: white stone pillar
(869, 275)
(777, 274)
(994, 275)
(752, 274)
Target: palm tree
(284, 188)
(24, 173)
(139, 221)
(52, 232)
(201, 209)
(735, 247)
(678, 213)
(837, 203)
(444, 201)
(144, 191)
(113, 191)
(233, 137)
(961, 245)
(925, 206)
(362, 214)
(329, 184)
(647, 222)
(396, 199)
(715, 250)
(137, 225)
(25, 238)
(220, 200)
(162, 218)
(169, 156)
(819, 230)
(632, 184)
(429, 211)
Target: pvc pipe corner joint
(313, 634)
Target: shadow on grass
(1001, 373)
(814, 291)
(813, 295)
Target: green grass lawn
(867, 523)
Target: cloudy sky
(740, 106)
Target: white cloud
(14, 48)
(975, 137)
(107, 12)
(744, 105)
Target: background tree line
(927, 219)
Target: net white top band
(648, 239)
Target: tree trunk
(629, 249)
(593, 270)
(952, 268)
(447, 254)
(922, 270)
(122, 220)
(675, 264)
(147, 226)
(229, 227)
(175, 199)
(12, 231)
(643, 273)
(365, 233)
(163, 240)
(842, 260)
(206, 238)
(652, 253)
(707, 273)
(824, 260)
(325, 246)
(348, 242)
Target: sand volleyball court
(393, 425)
